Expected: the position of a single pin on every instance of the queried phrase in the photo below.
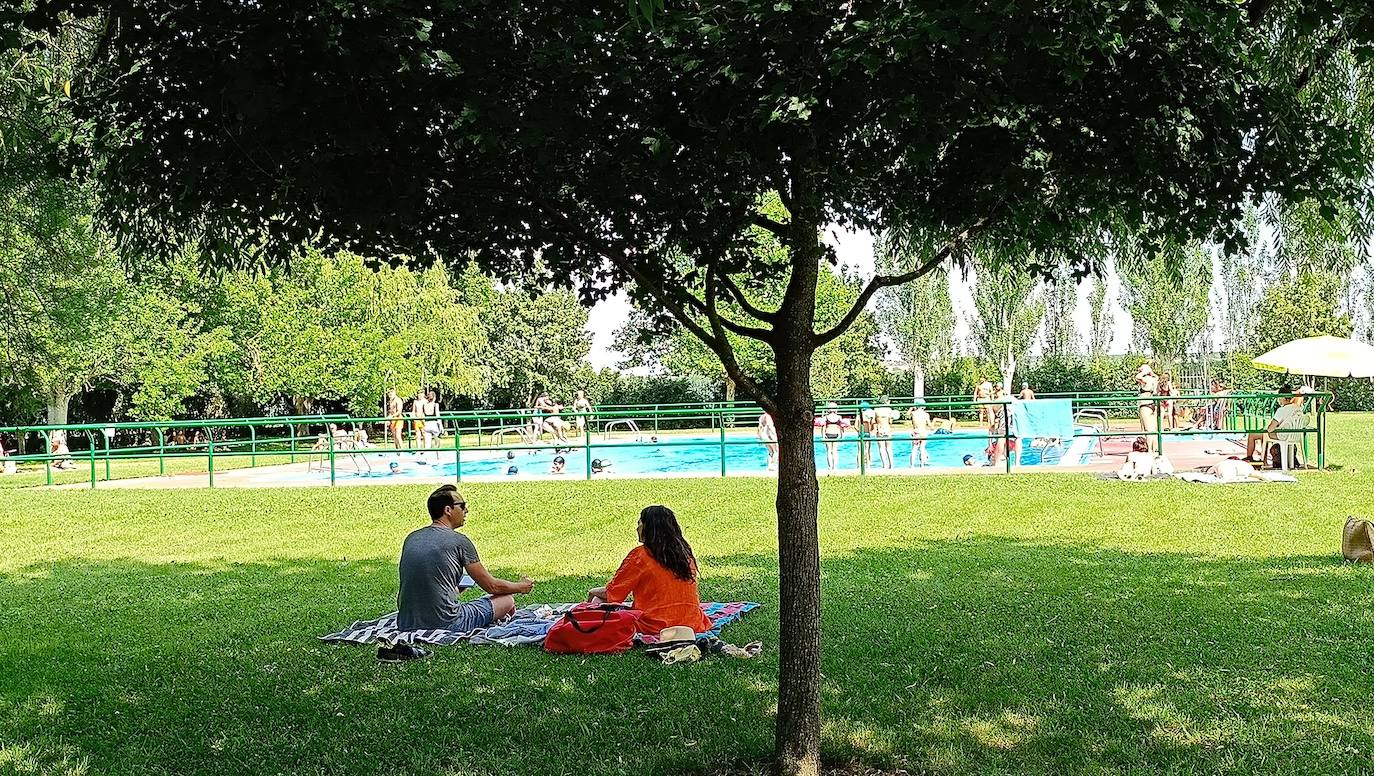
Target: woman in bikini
(832, 425)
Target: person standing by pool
(1166, 407)
(433, 429)
(882, 430)
(661, 574)
(920, 429)
(1026, 393)
(1148, 385)
(417, 417)
(581, 406)
(395, 416)
(433, 562)
(832, 425)
(863, 423)
(1217, 407)
(997, 428)
(768, 435)
(983, 392)
(546, 418)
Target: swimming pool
(684, 455)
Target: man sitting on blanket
(433, 561)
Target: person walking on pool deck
(661, 574)
(433, 561)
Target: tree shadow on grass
(966, 656)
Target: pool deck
(1185, 454)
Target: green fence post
(722, 445)
(863, 447)
(47, 455)
(587, 447)
(253, 445)
(210, 456)
(1159, 427)
(458, 448)
(106, 437)
(330, 434)
(161, 453)
(1006, 434)
(90, 440)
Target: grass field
(1023, 624)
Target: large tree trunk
(799, 560)
(58, 402)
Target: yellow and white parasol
(1323, 356)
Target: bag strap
(577, 626)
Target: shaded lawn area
(1022, 624)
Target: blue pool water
(682, 455)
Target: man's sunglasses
(461, 504)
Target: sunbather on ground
(433, 561)
(661, 574)
(1140, 462)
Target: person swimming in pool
(559, 465)
(832, 426)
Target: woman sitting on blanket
(661, 574)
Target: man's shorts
(473, 615)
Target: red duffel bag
(594, 629)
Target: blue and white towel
(527, 625)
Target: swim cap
(513, 470)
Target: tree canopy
(566, 142)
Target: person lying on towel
(661, 574)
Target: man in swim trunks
(395, 416)
(882, 430)
(920, 429)
(768, 435)
(546, 418)
(1026, 393)
(983, 392)
(417, 416)
(581, 405)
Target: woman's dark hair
(1140, 445)
(663, 539)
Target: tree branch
(778, 228)
(715, 340)
(885, 281)
(738, 295)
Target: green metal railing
(252, 438)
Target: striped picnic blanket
(527, 625)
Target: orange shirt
(664, 599)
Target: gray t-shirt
(432, 561)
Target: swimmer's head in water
(510, 455)
(968, 460)
(653, 439)
(513, 470)
(394, 465)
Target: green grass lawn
(973, 624)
